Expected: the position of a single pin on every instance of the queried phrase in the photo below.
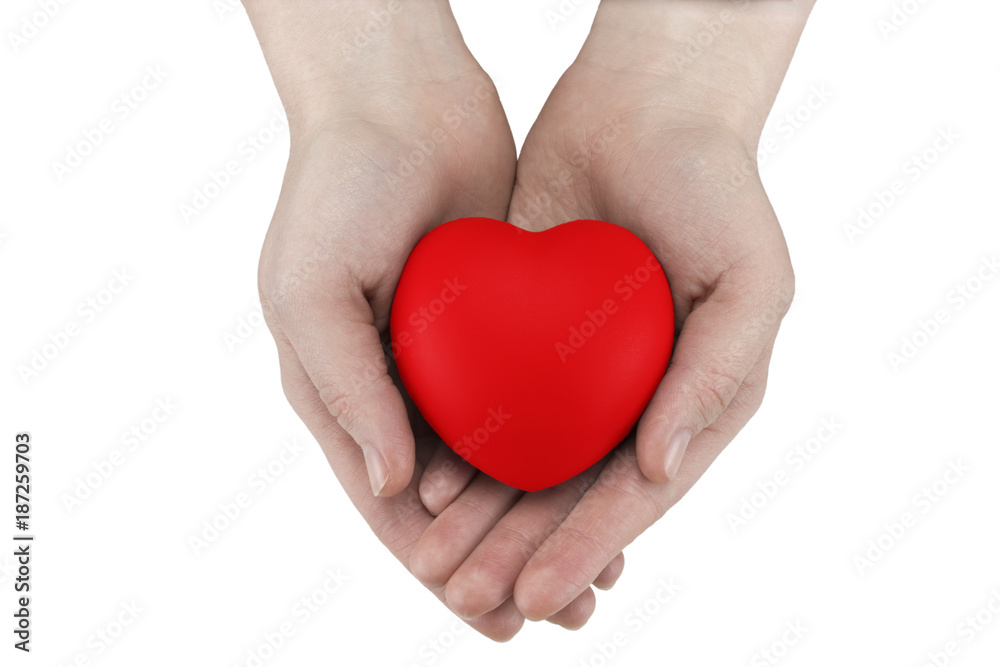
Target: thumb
(334, 335)
(719, 344)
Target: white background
(193, 283)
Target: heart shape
(531, 354)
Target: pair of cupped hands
(405, 132)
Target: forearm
(326, 55)
(724, 58)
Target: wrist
(719, 62)
(328, 61)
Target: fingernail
(675, 452)
(378, 472)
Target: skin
(625, 138)
(634, 134)
(348, 215)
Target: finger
(486, 578)
(454, 534)
(618, 507)
(576, 614)
(611, 572)
(501, 624)
(398, 521)
(719, 344)
(334, 337)
(445, 477)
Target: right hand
(404, 135)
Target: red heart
(531, 354)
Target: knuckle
(396, 535)
(393, 521)
(714, 388)
(267, 294)
(269, 282)
(755, 384)
(585, 540)
(502, 627)
(477, 588)
(785, 288)
(754, 400)
(289, 290)
(298, 389)
(292, 388)
(646, 497)
(339, 402)
(612, 571)
(424, 563)
(751, 393)
(346, 400)
(392, 535)
(777, 293)
(520, 542)
(276, 298)
(267, 310)
(343, 404)
(474, 513)
(578, 571)
(470, 597)
(748, 399)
